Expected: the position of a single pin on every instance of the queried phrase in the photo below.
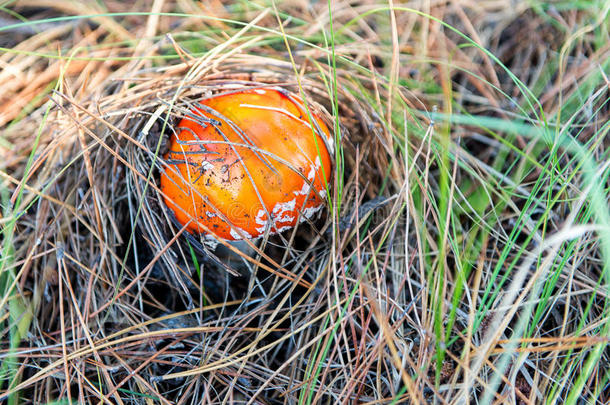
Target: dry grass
(464, 255)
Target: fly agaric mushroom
(247, 163)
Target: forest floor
(463, 255)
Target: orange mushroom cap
(247, 163)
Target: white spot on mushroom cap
(282, 212)
(310, 176)
(237, 233)
(205, 165)
(282, 207)
(259, 217)
(285, 212)
(309, 212)
(283, 228)
(260, 91)
(284, 218)
(304, 190)
(313, 168)
(274, 230)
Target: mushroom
(247, 163)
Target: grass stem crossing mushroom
(247, 163)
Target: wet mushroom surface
(247, 163)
